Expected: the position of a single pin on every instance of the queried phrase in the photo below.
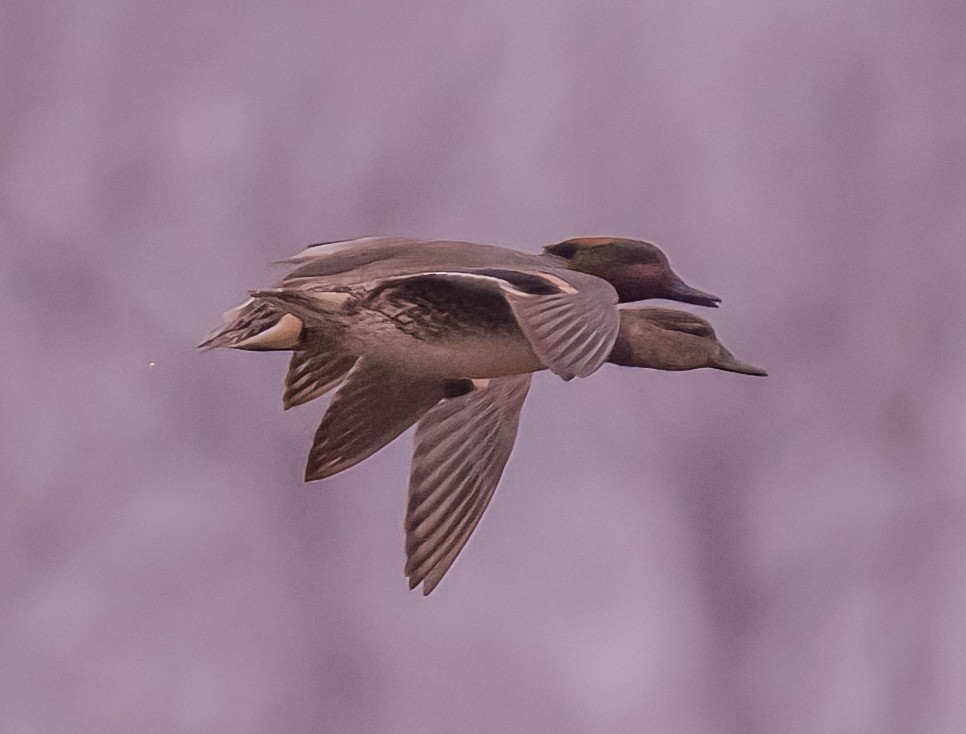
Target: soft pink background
(668, 553)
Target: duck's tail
(258, 326)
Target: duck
(445, 333)
(463, 443)
(466, 425)
(635, 269)
(596, 272)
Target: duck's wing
(317, 366)
(462, 446)
(571, 324)
(371, 408)
(570, 319)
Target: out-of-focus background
(699, 552)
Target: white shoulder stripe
(558, 284)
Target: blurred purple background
(691, 552)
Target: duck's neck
(623, 352)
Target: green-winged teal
(635, 270)
(446, 333)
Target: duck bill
(678, 290)
(728, 363)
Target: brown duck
(407, 325)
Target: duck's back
(361, 261)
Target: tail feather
(258, 326)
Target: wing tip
(565, 373)
(429, 584)
(415, 580)
(314, 472)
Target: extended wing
(371, 408)
(462, 446)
